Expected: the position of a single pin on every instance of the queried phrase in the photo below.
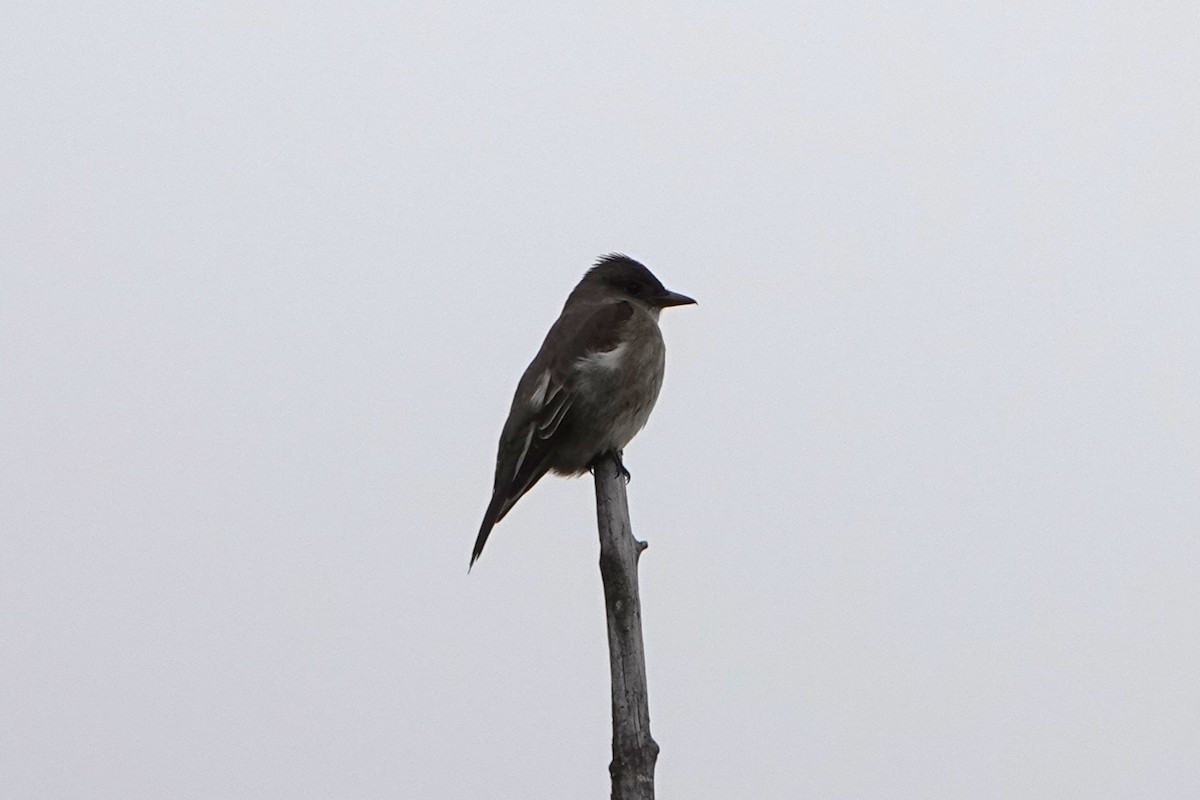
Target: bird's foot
(619, 455)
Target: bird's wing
(543, 402)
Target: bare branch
(634, 751)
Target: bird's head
(619, 275)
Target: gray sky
(921, 488)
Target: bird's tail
(503, 499)
(494, 512)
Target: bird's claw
(619, 456)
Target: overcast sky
(922, 489)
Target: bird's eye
(633, 288)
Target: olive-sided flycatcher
(590, 388)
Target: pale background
(921, 489)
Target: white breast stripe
(605, 359)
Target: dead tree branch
(634, 751)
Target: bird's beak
(673, 299)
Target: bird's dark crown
(627, 276)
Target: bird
(591, 386)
